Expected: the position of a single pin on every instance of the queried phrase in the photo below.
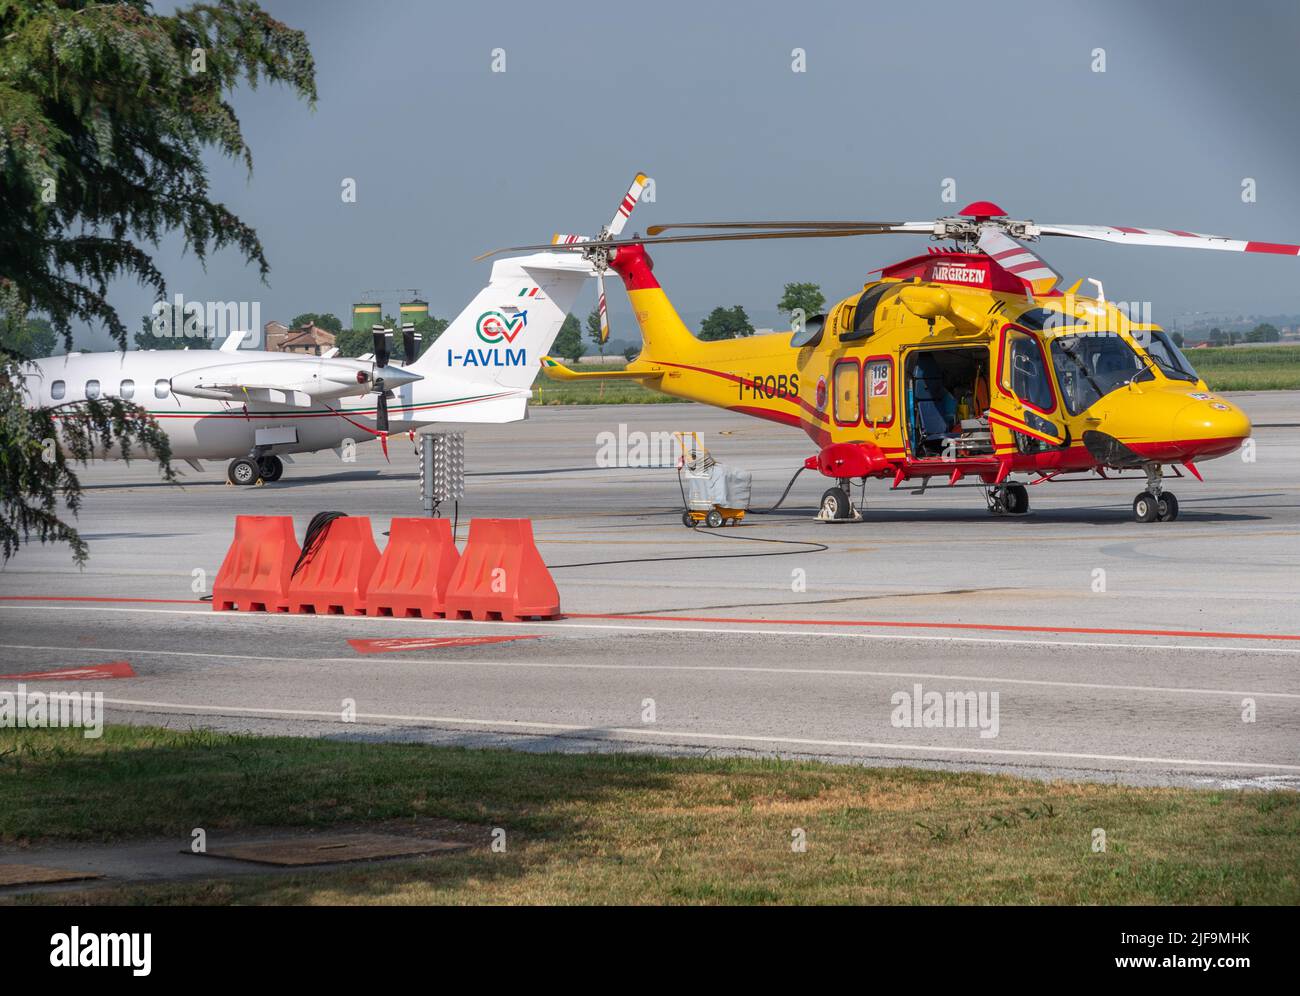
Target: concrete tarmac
(1165, 653)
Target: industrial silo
(414, 311)
(365, 315)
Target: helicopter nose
(1212, 428)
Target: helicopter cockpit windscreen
(1173, 364)
(1089, 365)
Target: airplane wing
(291, 381)
(276, 396)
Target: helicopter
(966, 364)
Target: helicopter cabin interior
(946, 397)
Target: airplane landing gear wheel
(1017, 499)
(243, 472)
(1146, 507)
(1166, 507)
(272, 468)
(836, 505)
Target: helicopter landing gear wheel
(1167, 507)
(1008, 499)
(1146, 507)
(243, 472)
(1016, 500)
(714, 519)
(836, 505)
(272, 468)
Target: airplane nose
(396, 376)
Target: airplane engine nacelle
(850, 460)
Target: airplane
(966, 363)
(254, 407)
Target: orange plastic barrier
(501, 575)
(254, 576)
(334, 580)
(412, 576)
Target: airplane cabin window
(161, 387)
(127, 390)
(57, 390)
(92, 390)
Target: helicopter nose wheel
(1155, 504)
(1011, 499)
(1155, 508)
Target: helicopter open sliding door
(946, 406)
(1027, 409)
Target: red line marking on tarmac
(762, 621)
(91, 672)
(983, 627)
(395, 644)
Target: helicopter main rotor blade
(825, 233)
(919, 226)
(1017, 259)
(1167, 238)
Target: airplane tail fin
(502, 335)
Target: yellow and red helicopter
(967, 362)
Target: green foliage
(353, 343)
(808, 297)
(568, 343)
(1264, 332)
(726, 323)
(106, 110)
(323, 320)
(593, 328)
(42, 446)
(30, 338)
(168, 331)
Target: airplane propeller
(380, 334)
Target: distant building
(310, 339)
(273, 334)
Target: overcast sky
(450, 158)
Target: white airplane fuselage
(210, 429)
(480, 369)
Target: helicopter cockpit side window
(1024, 371)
